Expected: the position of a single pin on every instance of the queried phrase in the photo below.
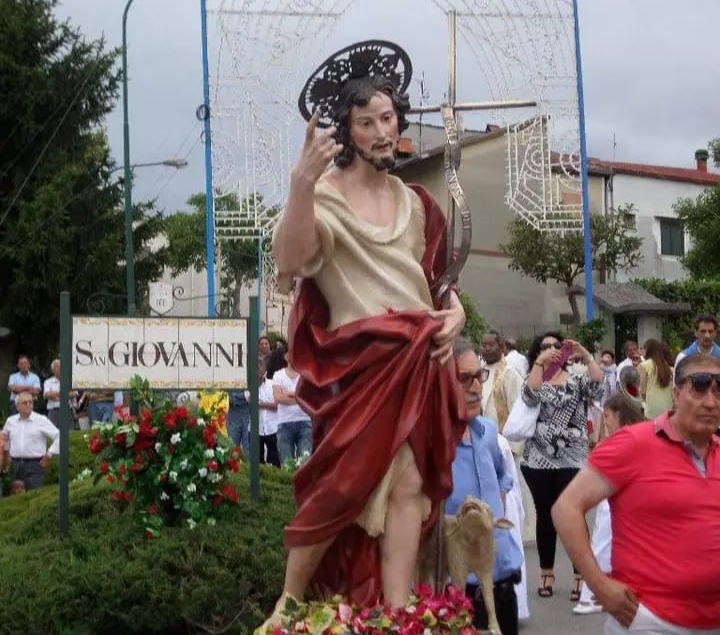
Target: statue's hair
(359, 92)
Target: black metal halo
(371, 57)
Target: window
(630, 220)
(672, 237)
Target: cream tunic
(364, 270)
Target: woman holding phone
(559, 447)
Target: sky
(651, 84)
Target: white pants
(601, 544)
(647, 623)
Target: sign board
(160, 297)
(171, 353)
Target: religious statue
(371, 334)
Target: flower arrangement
(172, 461)
(449, 613)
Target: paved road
(553, 616)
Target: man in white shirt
(26, 435)
(515, 358)
(632, 356)
(51, 392)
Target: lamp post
(129, 253)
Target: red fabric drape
(369, 386)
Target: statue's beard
(381, 164)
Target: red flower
(181, 412)
(192, 422)
(163, 477)
(233, 465)
(228, 491)
(149, 533)
(121, 468)
(134, 468)
(127, 496)
(117, 495)
(110, 478)
(120, 438)
(212, 465)
(169, 420)
(152, 510)
(95, 445)
(104, 467)
(216, 499)
(209, 436)
(145, 416)
(171, 448)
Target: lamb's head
(475, 517)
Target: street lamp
(174, 163)
(129, 255)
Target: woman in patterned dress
(559, 447)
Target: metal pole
(259, 274)
(65, 385)
(452, 69)
(587, 243)
(129, 247)
(253, 334)
(209, 219)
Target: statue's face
(374, 131)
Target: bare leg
(400, 542)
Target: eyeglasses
(466, 379)
(702, 382)
(557, 345)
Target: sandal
(575, 593)
(546, 590)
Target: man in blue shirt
(22, 381)
(479, 470)
(705, 331)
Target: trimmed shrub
(104, 578)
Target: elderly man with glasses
(662, 480)
(26, 435)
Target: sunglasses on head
(466, 379)
(702, 382)
(546, 345)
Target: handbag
(521, 421)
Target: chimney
(701, 157)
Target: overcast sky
(652, 77)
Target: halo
(363, 59)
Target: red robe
(390, 393)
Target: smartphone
(560, 364)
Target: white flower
(183, 464)
(164, 496)
(175, 438)
(173, 476)
(220, 451)
(158, 447)
(201, 422)
(191, 487)
(191, 523)
(202, 472)
(211, 521)
(209, 453)
(213, 477)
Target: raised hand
(318, 150)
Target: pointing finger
(312, 125)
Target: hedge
(106, 578)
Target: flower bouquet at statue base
(449, 613)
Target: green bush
(80, 458)
(103, 578)
(474, 322)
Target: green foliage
(701, 218)
(556, 257)
(474, 322)
(703, 296)
(714, 148)
(591, 332)
(61, 222)
(102, 579)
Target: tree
(701, 219)
(60, 206)
(714, 148)
(237, 259)
(559, 257)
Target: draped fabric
(369, 387)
